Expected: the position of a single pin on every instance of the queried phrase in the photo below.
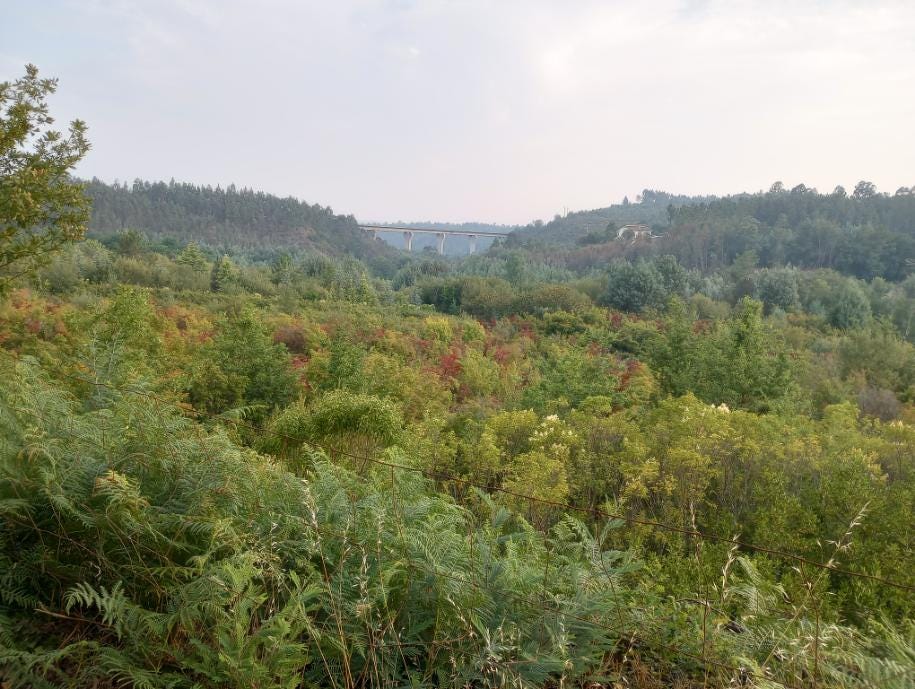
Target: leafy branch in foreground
(41, 208)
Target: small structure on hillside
(636, 231)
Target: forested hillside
(864, 234)
(593, 226)
(230, 465)
(227, 220)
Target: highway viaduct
(409, 232)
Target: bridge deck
(425, 230)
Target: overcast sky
(474, 110)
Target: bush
(552, 298)
(777, 289)
(848, 306)
(634, 287)
(878, 403)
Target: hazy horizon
(480, 111)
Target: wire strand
(445, 476)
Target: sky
(497, 111)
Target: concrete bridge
(408, 233)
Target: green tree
(242, 366)
(742, 364)
(672, 355)
(864, 190)
(634, 287)
(41, 208)
(124, 344)
(673, 277)
(740, 273)
(130, 243)
(223, 275)
(515, 269)
(193, 257)
(777, 288)
(848, 306)
(282, 270)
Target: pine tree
(193, 257)
(223, 274)
(41, 208)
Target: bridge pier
(440, 235)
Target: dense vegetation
(864, 234)
(240, 463)
(227, 220)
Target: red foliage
(526, 329)
(500, 355)
(292, 336)
(633, 367)
(20, 298)
(462, 393)
(449, 365)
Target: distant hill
(865, 234)
(570, 230)
(229, 219)
(591, 226)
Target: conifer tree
(41, 208)
(223, 274)
(193, 257)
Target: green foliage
(223, 275)
(740, 363)
(169, 555)
(848, 307)
(568, 376)
(41, 208)
(242, 574)
(777, 289)
(84, 262)
(744, 365)
(634, 287)
(130, 243)
(192, 256)
(124, 340)
(350, 422)
(229, 220)
(543, 299)
(143, 542)
(241, 367)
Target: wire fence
(739, 675)
(593, 511)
